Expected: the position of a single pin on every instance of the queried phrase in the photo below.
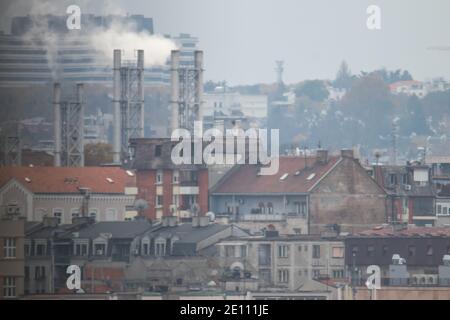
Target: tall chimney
(140, 65)
(322, 156)
(199, 84)
(347, 153)
(57, 122)
(116, 107)
(175, 79)
(80, 101)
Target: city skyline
(312, 38)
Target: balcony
(262, 217)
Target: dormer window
(80, 248)
(145, 246)
(160, 247)
(393, 179)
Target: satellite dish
(211, 216)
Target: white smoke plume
(156, 48)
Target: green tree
(344, 77)
(96, 154)
(313, 89)
(369, 102)
(414, 120)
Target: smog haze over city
(246, 150)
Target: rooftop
(65, 180)
(411, 231)
(296, 174)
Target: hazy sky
(243, 38)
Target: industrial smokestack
(81, 103)
(199, 84)
(57, 123)
(117, 143)
(175, 84)
(140, 66)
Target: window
(429, 250)
(160, 248)
(270, 208)
(338, 274)
(392, 178)
(355, 250)
(243, 251)
(159, 201)
(300, 208)
(158, 151)
(9, 287)
(159, 177)
(27, 249)
(300, 248)
(81, 249)
(411, 251)
(93, 213)
(370, 250)
(439, 209)
(229, 251)
(175, 199)
(39, 273)
(316, 251)
(41, 249)
(100, 249)
(405, 178)
(283, 251)
(283, 276)
(337, 252)
(75, 213)
(145, 249)
(176, 176)
(262, 208)
(59, 214)
(27, 273)
(9, 248)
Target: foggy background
(242, 39)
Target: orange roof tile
(68, 180)
(300, 178)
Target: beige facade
(12, 261)
(285, 263)
(104, 207)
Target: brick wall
(145, 181)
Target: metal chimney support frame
(69, 128)
(186, 101)
(128, 103)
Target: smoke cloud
(157, 48)
(117, 36)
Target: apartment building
(12, 259)
(102, 193)
(407, 256)
(280, 262)
(307, 195)
(410, 193)
(168, 189)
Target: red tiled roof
(410, 232)
(397, 84)
(245, 179)
(68, 180)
